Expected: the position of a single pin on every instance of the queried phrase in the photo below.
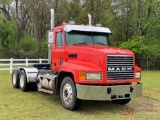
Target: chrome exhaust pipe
(90, 19)
(52, 19)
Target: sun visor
(69, 28)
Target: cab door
(58, 51)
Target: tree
(136, 44)
(7, 37)
(129, 20)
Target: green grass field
(18, 105)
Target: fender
(31, 73)
(137, 69)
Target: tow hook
(109, 90)
(131, 89)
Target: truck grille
(120, 67)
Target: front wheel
(121, 101)
(68, 94)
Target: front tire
(68, 94)
(121, 101)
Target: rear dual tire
(15, 78)
(24, 86)
(19, 80)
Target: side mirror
(50, 37)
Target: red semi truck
(82, 66)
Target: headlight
(90, 76)
(138, 75)
(94, 76)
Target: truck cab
(83, 49)
(83, 66)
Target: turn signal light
(82, 76)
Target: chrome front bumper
(91, 92)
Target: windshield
(87, 38)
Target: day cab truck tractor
(82, 66)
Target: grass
(14, 66)
(18, 105)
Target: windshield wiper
(101, 44)
(80, 43)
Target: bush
(27, 47)
(137, 45)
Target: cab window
(60, 40)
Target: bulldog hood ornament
(119, 50)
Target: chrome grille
(120, 67)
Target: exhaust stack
(52, 19)
(90, 19)
(50, 37)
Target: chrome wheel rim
(14, 79)
(22, 80)
(67, 93)
(39, 82)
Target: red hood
(94, 55)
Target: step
(46, 91)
